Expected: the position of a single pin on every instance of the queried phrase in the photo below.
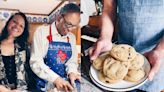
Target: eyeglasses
(68, 25)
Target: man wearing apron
(54, 56)
(141, 25)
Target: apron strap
(67, 39)
(49, 37)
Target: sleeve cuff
(72, 69)
(53, 76)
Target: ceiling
(43, 7)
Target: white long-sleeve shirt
(40, 48)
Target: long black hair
(22, 39)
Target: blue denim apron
(141, 24)
(58, 54)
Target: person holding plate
(141, 25)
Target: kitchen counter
(87, 85)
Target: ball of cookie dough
(137, 62)
(115, 69)
(135, 75)
(123, 52)
(98, 62)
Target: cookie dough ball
(105, 79)
(137, 62)
(123, 52)
(114, 69)
(98, 62)
(135, 75)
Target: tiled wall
(5, 14)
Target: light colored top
(141, 23)
(39, 50)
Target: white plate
(122, 85)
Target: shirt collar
(55, 32)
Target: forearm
(107, 28)
(108, 19)
(41, 70)
(72, 63)
(72, 67)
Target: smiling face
(68, 22)
(16, 26)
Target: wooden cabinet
(95, 21)
(32, 29)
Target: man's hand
(154, 58)
(73, 77)
(62, 84)
(102, 45)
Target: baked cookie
(137, 62)
(105, 79)
(123, 52)
(98, 62)
(135, 75)
(114, 69)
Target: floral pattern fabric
(20, 58)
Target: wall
(31, 18)
(33, 27)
